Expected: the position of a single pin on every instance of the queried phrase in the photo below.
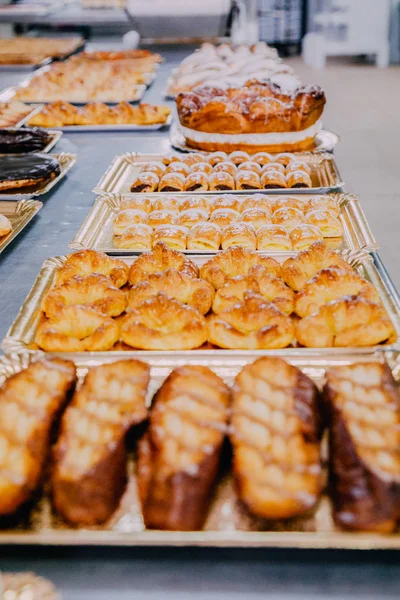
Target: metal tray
(35, 109)
(26, 68)
(67, 161)
(96, 230)
(20, 337)
(118, 127)
(20, 214)
(125, 167)
(55, 137)
(228, 524)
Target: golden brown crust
(174, 236)
(302, 146)
(138, 236)
(273, 237)
(160, 259)
(87, 262)
(239, 234)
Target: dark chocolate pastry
(27, 171)
(17, 141)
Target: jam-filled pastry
(178, 167)
(259, 201)
(298, 166)
(190, 159)
(247, 180)
(298, 179)
(285, 158)
(202, 167)
(226, 201)
(205, 236)
(144, 204)
(135, 237)
(163, 323)
(170, 203)
(239, 234)
(86, 262)
(322, 203)
(126, 218)
(257, 217)
(363, 407)
(161, 259)
(304, 235)
(262, 158)
(226, 167)
(172, 182)
(161, 217)
(327, 222)
(217, 157)
(145, 182)
(224, 217)
(273, 237)
(249, 165)
(191, 217)
(221, 181)
(5, 225)
(273, 166)
(253, 324)
(154, 167)
(174, 236)
(273, 179)
(276, 432)
(288, 217)
(195, 202)
(238, 157)
(287, 202)
(197, 182)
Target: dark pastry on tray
(273, 179)
(172, 182)
(145, 182)
(298, 179)
(27, 171)
(196, 181)
(221, 181)
(247, 180)
(18, 141)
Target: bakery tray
(118, 127)
(35, 108)
(66, 160)
(24, 68)
(20, 214)
(228, 524)
(96, 230)
(55, 137)
(20, 337)
(125, 168)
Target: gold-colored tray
(96, 230)
(228, 524)
(20, 337)
(125, 168)
(20, 214)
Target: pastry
(238, 157)
(179, 455)
(275, 432)
(273, 237)
(221, 181)
(126, 218)
(205, 236)
(188, 290)
(304, 236)
(191, 217)
(18, 141)
(329, 225)
(285, 158)
(11, 113)
(163, 323)
(28, 50)
(298, 166)
(298, 179)
(249, 165)
(5, 226)
(226, 201)
(170, 203)
(30, 404)
(288, 217)
(154, 167)
(138, 237)
(257, 217)
(202, 167)
(145, 182)
(272, 179)
(178, 167)
(322, 203)
(287, 202)
(217, 157)
(27, 171)
(137, 203)
(161, 217)
(160, 259)
(247, 180)
(226, 167)
(172, 182)
(86, 262)
(196, 182)
(363, 406)
(191, 158)
(273, 166)
(224, 217)
(174, 236)
(262, 158)
(256, 201)
(253, 324)
(239, 234)
(89, 474)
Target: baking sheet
(118, 127)
(125, 168)
(96, 230)
(228, 523)
(20, 337)
(67, 161)
(20, 214)
(55, 137)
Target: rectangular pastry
(89, 473)
(364, 413)
(179, 455)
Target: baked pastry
(180, 453)
(327, 222)
(174, 236)
(202, 167)
(275, 433)
(239, 234)
(137, 203)
(285, 158)
(321, 203)
(221, 181)
(298, 270)
(273, 166)
(126, 218)
(30, 404)
(89, 473)
(253, 324)
(226, 167)
(238, 157)
(272, 179)
(226, 201)
(262, 158)
(191, 217)
(155, 167)
(363, 405)
(188, 290)
(249, 165)
(288, 217)
(196, 181)
(145, 182)
(287, 202)
(273, 237)
(298, 179)
(5, 225)
(86, 262)
(18, 141)
(170, 203)
(28, 171)
(178, 167)
(348, 321)
(298, 166)
(160, 259)
(163, 323)
(11, 113)
(217, 157)
(256, 217)
(189, 159)
(161, 217)
(304, 236)
(224, 217)
(172, 182)
(247, 180)
(205, 236)
(195, 202)
(256, 201)
(138, 237)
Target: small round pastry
(259, 201)
(304, 235)
(217, 157)
(274, 238)
(139, 203)
(86, 262)
(247, 180)
(257, 217)
(191, 217)
(288, 217)
(178, 167)
(172, 182)
(145, 182)
(286, 202)
(161, 259)
(225, 167)
(224, 217)
(197, 182)
(5, 225)
(201, 167)
(226, 201)
(154, 167)
(238, 157)
(174, 236)
(192, 158)
(161, 217)
(163, 323)
(298, 166)
(285, 158)
(196, 202)
(221, 181)
(329, 224)
(262, 158)
(126, 218)
(321, 203)
(273, 166)
(135, 237)
(239, 234)
(298, 179)
(169, 203)
(272, 180)
(249, 165)
(205, 236)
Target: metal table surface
(157, 574)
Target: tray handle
(387, 280)
(362, 230)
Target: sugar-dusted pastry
(253, 324)
(197, 182)
(238, 157)
(174, 236)
(224, 217)
(135, 237)
(137, 203)
(169, 203)
(226, 201)
(154, 167)
(178, 167)
(172, 182)
(161, 217)
(288, 217)
(239, 234)
(145, 182)
(189, 290)
(191, 217)
(304, 236)
(326, 221)
(126, 218)
(257, 217)
(273, 179)
(262, 158)
(287, 202)
(247, 180)
(221, 181)
(86, 262)
(298, 166)
(202, 167)
(217, 157)
(363, 407)
(273, 166)
(195, 202)
(276, 433)
(249, 165)
(5, 225)
(259, 201)
(161, 259)
(205, 236)
(179, 456)
(285, 158)
(163, 323)
(273, 237)
(226, 167)
(190, 159)
(346, 322)
(321, 203)
(298, 179)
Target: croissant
(160, 259)
(145, 182)
(87, 262)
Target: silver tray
(55, 137)
(228, 524)
(20, 337)
(24, 68)
(67, 161)
(118, 127)
(96, 230)
(20, 214)
(125, 167)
